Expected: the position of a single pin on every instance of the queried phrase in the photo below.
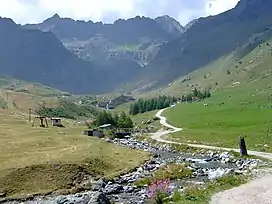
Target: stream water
(122, 189)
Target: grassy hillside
(7, 83)
(240, 104)
(228, 71)
(22, 102)
(36, 160)
(38, 89)
(19, 96)
(40, 160)
(229, 114)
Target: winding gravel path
(158, 137)
(257, 191)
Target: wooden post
(33, 123)
(242, 144)
(268, 129)
(42, 122)
(46, 122)
(29, 115)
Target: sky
(107, 11)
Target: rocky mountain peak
(170, 25)
(7, 22)
(55, 16)
(53, 19)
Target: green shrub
(171, 171)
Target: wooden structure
(43, 121)
(88, 132)
(121, 135)
(123, 132)
(56, 122)
(94, 132)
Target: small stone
(211, 154)
(239, 172)
(62, 200)
(128, 189)
(227, 160)
(2, 194)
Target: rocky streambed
(206, 166)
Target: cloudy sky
(33, 11)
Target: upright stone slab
(242, 144)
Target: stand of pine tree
(119, 121)
(160, 102)
(196, 95)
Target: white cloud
(84, 9)
(33, 11)
(214, 7)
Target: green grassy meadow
(230, 113)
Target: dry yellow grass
(22, 145)
(24, 101)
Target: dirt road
(258, 191)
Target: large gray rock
(98, 185)
(72, 199)
(113, 189)
(99, 198)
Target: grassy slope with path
(221, 124)
(141, 119)
(240, 104)
(27, 154)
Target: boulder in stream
(99, 198)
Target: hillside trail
(256, 191)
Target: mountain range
(137, 39)
(134, 54)
(211, 38)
